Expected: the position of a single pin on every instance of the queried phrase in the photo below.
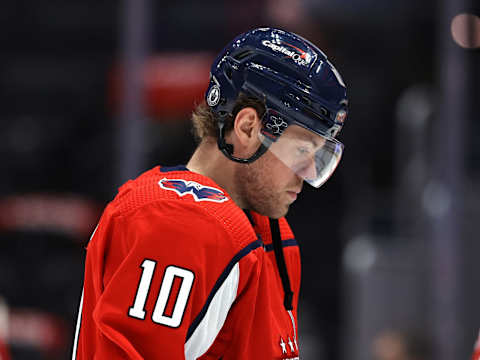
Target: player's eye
(303, 151)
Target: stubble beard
(255, 188)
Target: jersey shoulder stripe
(242, 253)
(212, 322)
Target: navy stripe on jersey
(245, 251)
(173, 168)
(285, 243)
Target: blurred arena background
(94, 92)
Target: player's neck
(207, 160)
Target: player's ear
(246, 127)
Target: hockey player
(198, 261)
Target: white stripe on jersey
(79, 316)
(77, 330)
(208, 329)
(4, 315)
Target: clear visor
(312, 157)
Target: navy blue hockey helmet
(298, 86)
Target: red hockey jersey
(476, 349)
(4, 354)
(176, 270)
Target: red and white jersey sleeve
(169, 277)
(476, 349)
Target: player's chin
(280, 211)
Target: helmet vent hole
(242, 54)
(306, 100)
(315, 116)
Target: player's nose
(308, 170)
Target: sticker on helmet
(213, 96)
(276, 125)
(341, 115)
(298, 55)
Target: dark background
(365, 235)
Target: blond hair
(205, 121)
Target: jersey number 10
(158, 316)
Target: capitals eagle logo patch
(198, 191)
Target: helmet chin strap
(227, 149)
